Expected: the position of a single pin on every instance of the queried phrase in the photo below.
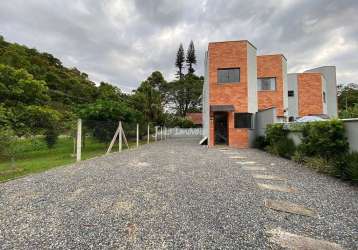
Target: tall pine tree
(179, 62)
(191, 58)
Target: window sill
(227, 83)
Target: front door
(220, 128)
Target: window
(267, 83)
(243, 120)
(324, 97)
(291, 93)
(228, 75)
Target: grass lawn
(38, 158)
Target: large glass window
(267, 83)
(228, 75)
(243, 120)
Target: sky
(123, 41)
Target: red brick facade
(271, 66)
(241, 97)
(310, 99)
(196, 118)
(229, 55)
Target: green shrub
(284, 147)
(275, 132)
(298, 157)
(277, 141)
(260, 142)
(350, 167)
(322, 165)
(101, 118)
(325, 139)
(10, 145)
(323, 147)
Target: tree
(179, 62)
(350, 112)
(107, 91)
(17, 86)
(3, 116)
(190, 58)
(66, 86)
(183, 95)
(156, 80)
(347, 97)
(148, 98)
(102, 118)
(37, 120)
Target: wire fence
(25, 150)
(95, 138)
(75, 140)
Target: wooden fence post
(79, 138)
(156, 133)
(161, 133)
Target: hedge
(323, 147)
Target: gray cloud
(122, 42)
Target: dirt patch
(131, 231)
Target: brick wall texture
(271, 66)
(229, 55)
(310, 99)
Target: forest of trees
(348, 100)
(40, 96)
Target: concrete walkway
(176, 194)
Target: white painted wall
(292, 101)
(263, 118)
(252, 78)
(351, 126)
(324, 89)
(205, 98)
(285, 85)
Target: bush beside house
(323, 147)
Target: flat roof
(234, 41)
(274, 55)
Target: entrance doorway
(221, 128)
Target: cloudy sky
(123, 41)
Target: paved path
(176, 195)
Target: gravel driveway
(172, 194)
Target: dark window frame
(270, 77)
(245, 121)
(220, 76)
(291, 91)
